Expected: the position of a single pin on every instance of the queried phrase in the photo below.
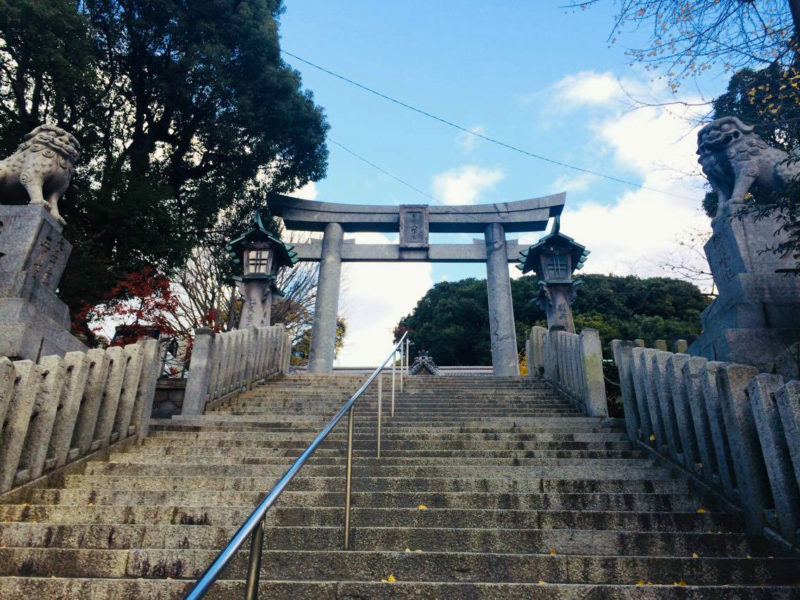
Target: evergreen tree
(185, 112)
(452, 320)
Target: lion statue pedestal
(34, 322)
(754, 320)
(33, 252)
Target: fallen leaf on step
(652, 438)
(418, 550)
(640, 582)
(389, 579)
(422, 507)
(553, 553)
(701, 511)
(680, 583)
(695, 555)
(407, 550)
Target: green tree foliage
(452, 320)
(185, 112)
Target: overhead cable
(477, 134)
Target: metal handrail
(254, 525)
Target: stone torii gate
(414, 223)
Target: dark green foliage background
(186, 114)
(452, 320)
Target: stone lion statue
(734, 158)
(40, 170)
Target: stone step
(371, 467)
(427, 539)
(389, 447)
(520, 501)
(55, 588)
(376, 517)
(119, 462)
(389, 457)
(658, 481)
(404, 566)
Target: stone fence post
(200, 368)
(733, 429)
(573, 364)
(591, 354)
(61, 409)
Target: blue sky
(529, 73)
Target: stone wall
(60, 409)
(573, 363)
(734, 430)
(227, 363)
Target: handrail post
(349, 477)
(394, 361)
(380, 410)
(254, 568)
(402, 358)
(408, 357)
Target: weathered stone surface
(323, 337)
(785, 492)
(33, 254)
(18, 416)
(710, 385)
(754, 318)
(788, 401)
(745, 447)
(519, 216)
(502, 330)
(40, 170)
(665, 391)
(623, 358)
(681, 399)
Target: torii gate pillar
(323, 333)
(501, 309)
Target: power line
(385, 172)
(482, 136)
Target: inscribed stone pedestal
(755, 317)
(34, 322)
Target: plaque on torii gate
(413, 224)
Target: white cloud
(636, 232)
(467, 140)
(573, 183)
(587, 88)
(374, 298)
(308, 192)
(464, 184)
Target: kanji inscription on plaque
(413, 226)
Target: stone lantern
(553, 259)
(262, 256)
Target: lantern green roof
(284, 253)
(529, 259)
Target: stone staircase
(487, 488)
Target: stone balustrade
(732, 428)
(57, 410)
(226, 363)
(573, 363)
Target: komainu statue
(734, 158)
(41, 168)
